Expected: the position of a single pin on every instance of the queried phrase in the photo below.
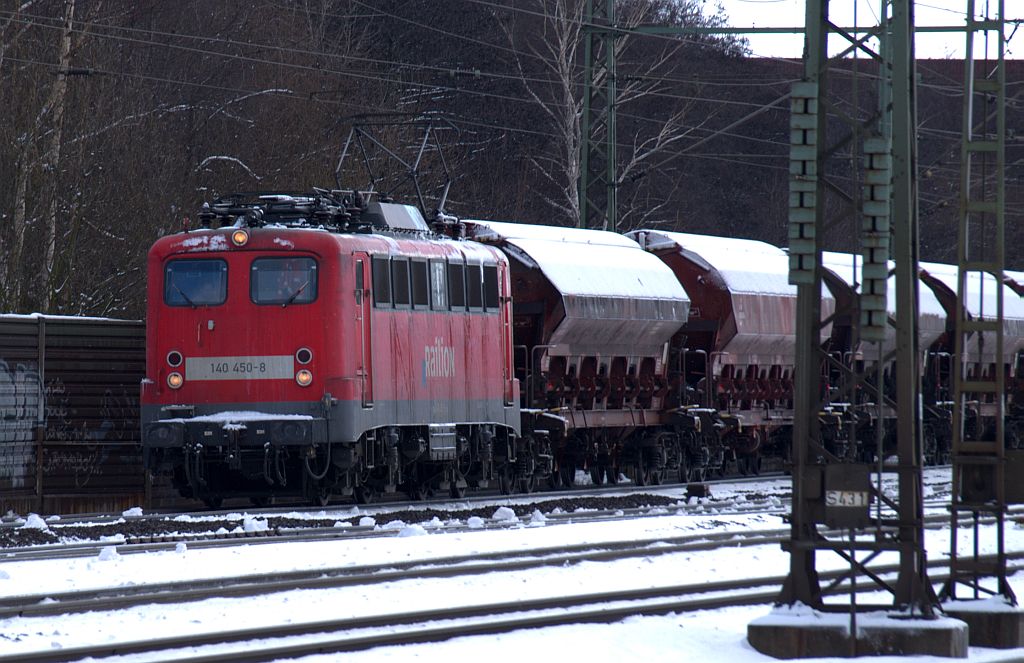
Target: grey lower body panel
(305, 423)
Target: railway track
(350, 634)
(214, 538)
(51, 603)
(87, 534)
(218, 536)
(54, 603)
(393, 505)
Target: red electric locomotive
(322, 344)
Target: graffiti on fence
(81, 462)
(117, 414)
(19, 416)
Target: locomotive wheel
(260, 501)
(418, 492)
(213, 501)
(321, 496)
(596, 474)
(364, 494)
(568, 475)
(457, 491)
(743, 465)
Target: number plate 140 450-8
(269, 367)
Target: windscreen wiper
(183, 295)
(296, 294)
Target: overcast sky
(790, 13)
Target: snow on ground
(700, 636)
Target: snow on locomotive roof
(588, 271)
(746, 265)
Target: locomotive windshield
(283, 281)
(195, 283)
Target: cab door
(364, 331)
(505, 307)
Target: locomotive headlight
(174, 380)
(239, 237)
(304, 378)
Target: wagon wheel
(743, 465)
(527, 484)
(647, 471)
(213, 501)
(697, 474)
(683, 473)
(456, 491)
(260, 501)
(640, 473)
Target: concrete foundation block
(801, 632)
(993, 622)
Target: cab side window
(474, 288)
(400, 282)
(491, 287)
(438, 285)
(381, 282)
(420, 286)
(457, 286)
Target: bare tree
(649, 78)
(38, 148)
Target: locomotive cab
(350, 359)
(236, 366)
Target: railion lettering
(438, 360)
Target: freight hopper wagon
(736, 353)
(1014, 431)
(870, 413)
(592, 317)
(317, 345)
(980, 360)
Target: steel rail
(158, 542)
(645, 602)
(484, 498)
(62, 603)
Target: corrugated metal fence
(69, 413)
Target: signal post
(839, 504)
